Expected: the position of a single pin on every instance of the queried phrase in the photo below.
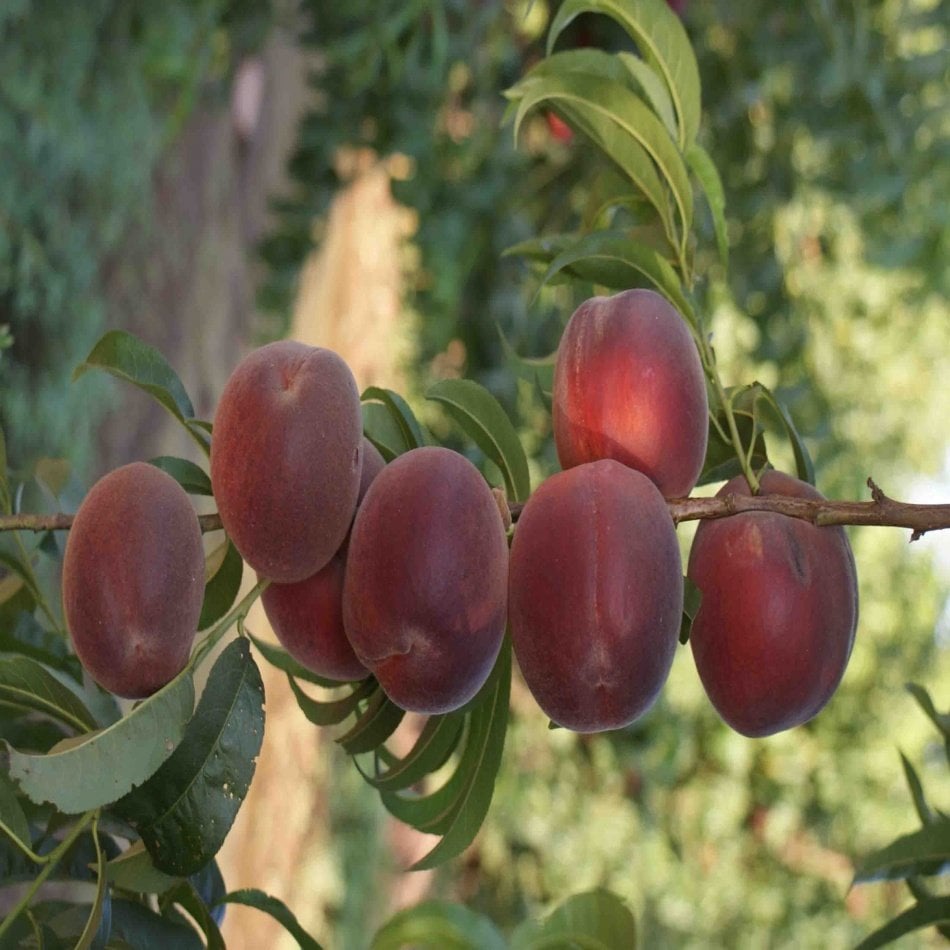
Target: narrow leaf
(251, 897)
(13, 821)
(109, 763)
(940, 720)
(376, 724)
(331, 712)
(184, 894)
(208, 774)
(478, 765)
(191, 477)
(26, 683)
(653, 88)
(91, 930)
(598, 920)
(804, 466)
(535, 369)
(917, 792)
(927, 913)
(222, 588)
(482, 417)
(134, 870)
(438, 740)
(287, 664)
(662, 39)
(439, 925)
(924, 852)
(608, 258)
(409, 429)
(703, 167)
(126, 357)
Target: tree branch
(881, 510)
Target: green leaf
(456, 811)
(804, 466)
(410, 432)
(134, 870)
(653, 88)
(334, 711)
(692, 597)
(940, 720)
(191, 477)
(624, 128)
(13, 821)
(5, 506)
(609, 258)
(595, 920)
(185, 810)
(26, 683)
(126, 357)
(661, 38)
(107, 764)
(482, 417)
(927, 913)
(222, 589)
(924, 852)
(438, 925)
(91, 930)
(703, 167)
(383, 431)
(287, 664)
(185, 894)
(23, 571)
(251, 897)
(721, 462)
(535, 369)
(375, 725)
(437, 741)
(917, 792)
(141, 928)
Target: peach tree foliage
(81, 778)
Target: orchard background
(211, 176)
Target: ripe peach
(286, 456)
(424, 596)
(778, 614)
(307, 616)
(629, 385)
(133, 580)
(596, 595)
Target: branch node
(876, 493)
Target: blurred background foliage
(829, 124)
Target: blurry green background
(829, 122)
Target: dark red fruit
(133, 580)
(286, 457)
(307, 617)
(426, 580)
(596, 595)
(629, 385)
(778, 614)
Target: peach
(286, 457)
(596, 595)
(133, 580)
(424, 597)
(779, 608)
(629, 385)
(307, 616)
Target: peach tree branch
(880, 510)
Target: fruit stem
(51, 860)
(238, 611)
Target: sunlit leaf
(108, 764)
(923, 852)
(438, 925)
(482, 417)
(927, 913)
(703, 167)
(185, 810)
(661, 38)
(596, 920)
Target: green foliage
(92, 95)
